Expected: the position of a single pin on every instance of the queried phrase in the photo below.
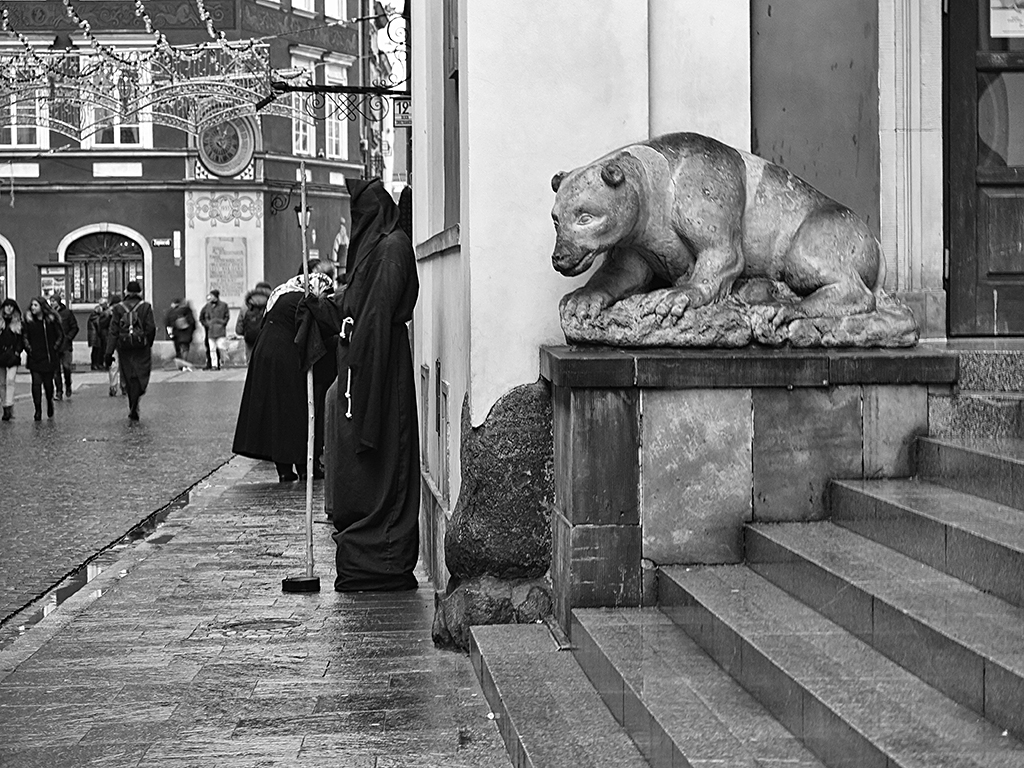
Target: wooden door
(983, 87)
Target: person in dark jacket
(214, 318)
(70, 327)
(11, 346)
(135, 358)
(272, 418)
(44, 342)
(250, 320)
(181, 327)
(113, 368)
(97, 349)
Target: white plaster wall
(700, 68)
(544, 86)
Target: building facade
(88, 207)
(904, 110)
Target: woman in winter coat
(11, 346)
(96, 342)
(44, 340)
(250, 320)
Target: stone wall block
(597, 466)
(696, 471)
(893, 418)
(803, 438)
(593, 566)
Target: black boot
(39, 411)
(8, 413)
(49, 408)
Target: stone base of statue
(759, 311)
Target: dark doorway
(983, 83)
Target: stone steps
(678, 706)
(989, 468)
(967, 644)
(848, 703)
(975, 540)
(548, 713)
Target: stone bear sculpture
(689, 213)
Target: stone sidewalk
(185, 652)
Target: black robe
(372, 440)
(273, 416)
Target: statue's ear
(612, 173)
(556, 180)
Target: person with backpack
(181, 327)
(12, 343)
(250, 320)
(132, 332)
(44, 343)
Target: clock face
(226, 149)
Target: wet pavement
(73, 485)
(185, 652)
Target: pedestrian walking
(44, 343)
(250, 320)
(181, 327)
(214, 318)
(132, 333)
(273, 417)
(69, 325)
(373, 448)
(97, 348)
(111, 363)
(12, 343)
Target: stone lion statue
(701, 240)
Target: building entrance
(984, 157)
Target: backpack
(252, 323)
(132, 332)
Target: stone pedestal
(661, 456)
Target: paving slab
(187, 652)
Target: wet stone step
(975, 540)
(677, 705)
(991, 468)
(968, 644)
(548, 713)
(849, 704)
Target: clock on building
(226, 149)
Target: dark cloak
(372, 492)
(272, 417)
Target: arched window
(102, 263)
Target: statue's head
(596, 207)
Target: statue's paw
(672, 306)
(582, 306)
(785, 314)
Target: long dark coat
(44, 341)
(272, 418)
(135, 363)
(373, 454)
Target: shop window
(102, 263)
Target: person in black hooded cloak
(372, 441)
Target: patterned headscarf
(319, 284)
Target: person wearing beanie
(69, 324)
(214, 318)
(132, 332)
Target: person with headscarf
(272, 417)
(372, 490)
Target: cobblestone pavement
(72, 485)
(187, 653)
